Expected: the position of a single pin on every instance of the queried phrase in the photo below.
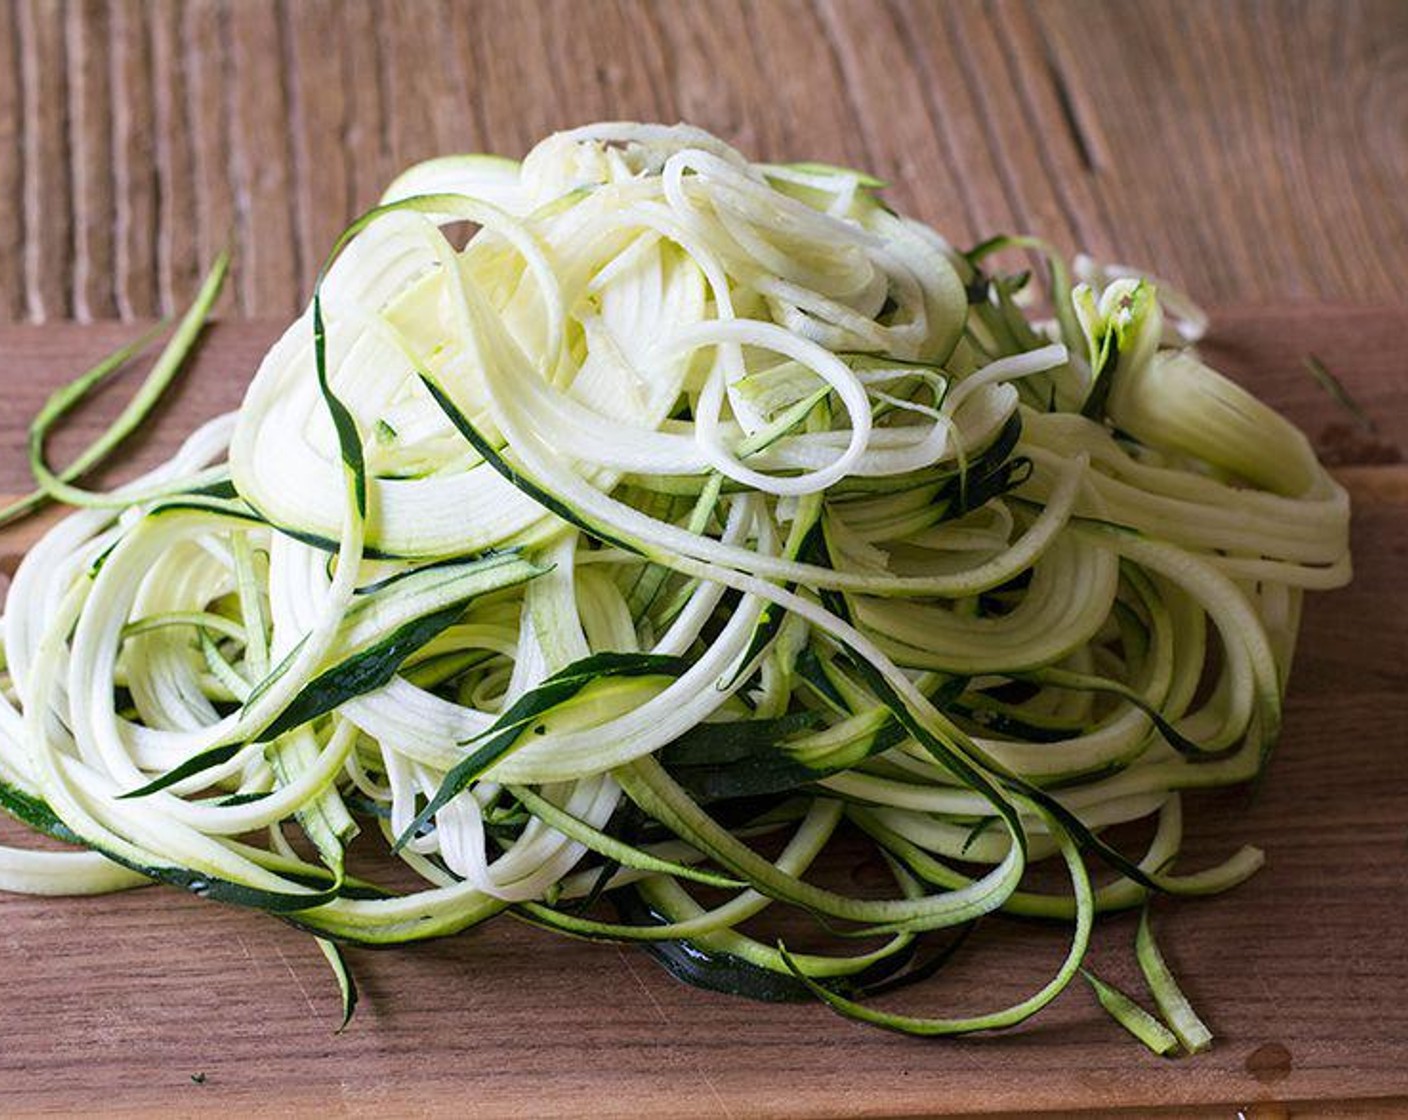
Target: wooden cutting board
(153, 1000)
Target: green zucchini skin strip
(508, 731)
(346, 985)
(717, 970)
(55, 408)
(56, 487)
(1192, 1033)
(35, 812)
(998, 1020)
(1133, 1018)
(624, 854)
(38, 815)
(361, 674)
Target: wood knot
(1269, 1063)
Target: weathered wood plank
(262, 163)
(1252, 150)
(95, 278)
(951, 104)
(879, 72)
(1015, 142)
(204, 39)
(135, 165)
(1210, 141)
(1228, 127)
(318, 114)
(178, 240)
(12, 232)
(42, 54)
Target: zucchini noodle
(690, 506)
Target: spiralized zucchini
(690, 502)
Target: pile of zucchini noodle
(690, 514)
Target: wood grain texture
(1253, 150)
(1300, 971)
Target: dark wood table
(1255, 153)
